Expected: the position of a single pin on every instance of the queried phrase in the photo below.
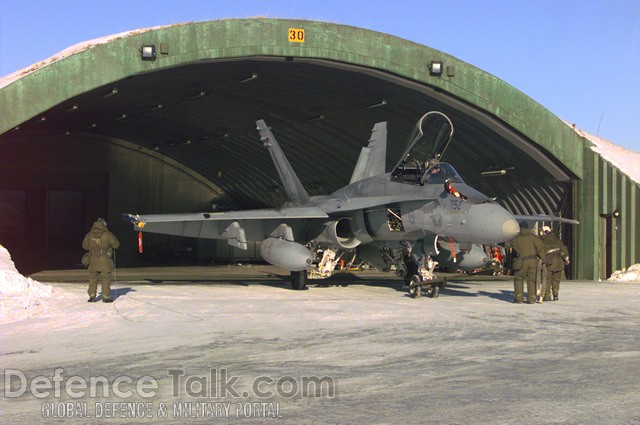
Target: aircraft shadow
(120, 292)
(454, 288)
(504, 295)
(226, 281)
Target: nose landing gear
(419, 277)
(417, 286)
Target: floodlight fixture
(377, 105)
(112, 92)
(148, 52)
(314, 119)
(435, 68)
(493, 173)
(253, 77)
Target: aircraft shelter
(162, 120)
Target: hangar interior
(104, 130)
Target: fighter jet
(418, 214)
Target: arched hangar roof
(196, 103)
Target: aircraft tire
(415, 291)
(299, 280)
(433, 291)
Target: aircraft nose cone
(510, 229)
(490, 224)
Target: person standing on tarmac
(100, 243)
(556, 257)
(528, 248)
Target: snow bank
(632, 274)
(625, 160)
(8, 79)
(20, 296)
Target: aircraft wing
(542, 217)
(235, 226)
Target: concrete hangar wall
(100, 130)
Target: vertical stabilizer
(292, 186)
(372, 159)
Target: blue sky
(578, 58)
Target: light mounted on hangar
(148, 52)
(435, 68)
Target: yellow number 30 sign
(296, 35)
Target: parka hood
(98, 229)
(525, 231)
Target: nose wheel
(415, 289)
(417, 286)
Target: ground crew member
(556, 257)
(528, 248)
(100, 243)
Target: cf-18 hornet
(419, 214)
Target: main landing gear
(416, 270)
(299, 280)
(322, 271)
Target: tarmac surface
(376, 355)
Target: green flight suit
(100, 243)
(528, 248)
(556, 253)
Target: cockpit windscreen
(440, 173)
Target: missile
(286, 254)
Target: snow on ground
(20, 296)
(457, 359)
(632, 274)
